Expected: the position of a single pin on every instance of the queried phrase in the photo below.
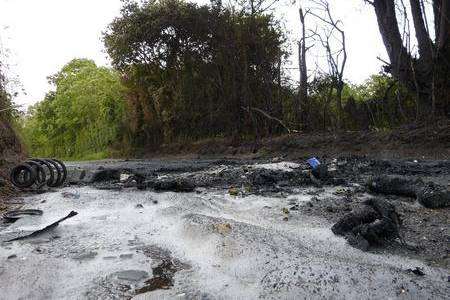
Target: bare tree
(332, 38)
(301, 102)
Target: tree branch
(267, 116)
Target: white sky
(43, 35)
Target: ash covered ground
(240, 229)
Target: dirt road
(220, 241)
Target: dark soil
(417, 157)
(420, 232)
(11, 152)
(406, 142)
(426, 231)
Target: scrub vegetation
(183, 72)
(82, 118)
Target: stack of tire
(36, 173)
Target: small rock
(124, 177)
(178, 185)
(223, 228)
(155, 201)
(109, 257)
(285, 211)
(330, 209)
(86, 256)
(295, 207)
(417, 271)
(285, 219)
(70, 195)
(139, 206)
(126, 256)
(233, 191)
(292, 202)
(434, 196)
(12, 256)
(131, 275)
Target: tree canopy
(196, 71)
(82, 116)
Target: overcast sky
(43, 35)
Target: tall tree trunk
(301, 105)
(398, 54)
(442, 73)
(340, 114)
(422, 34)
(416, 74)
(443, 42)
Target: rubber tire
(64, 170)
(52, 178)
(41, 177)
(15, 172)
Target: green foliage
(380, 102)
(82, 117)
(192, 70)
(6, 111)
(387, 103)
(10, 145)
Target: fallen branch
(267, 116)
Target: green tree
(82, 117)
(197, 71)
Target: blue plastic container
(313, 162)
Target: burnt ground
(429, 141)
(426, 231)
(227, 228)
(232, 198)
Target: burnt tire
(63, 170)
(41, 177)
(52, 179)
(23, 176)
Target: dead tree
(332, 38)
(426, 74)
(301, 104)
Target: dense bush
(10, 146)
(197, 71)
(377, 103)
(82, 117)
